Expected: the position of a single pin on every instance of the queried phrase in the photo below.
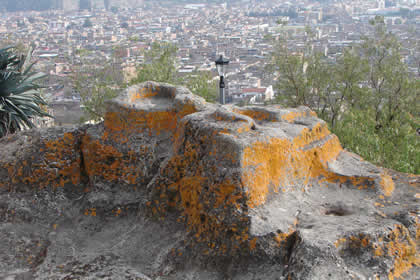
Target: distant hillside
(41, 5)
(24, 5)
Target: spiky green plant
(20, 99)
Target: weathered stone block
(34, 160)
(241, 191)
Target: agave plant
(20, 100)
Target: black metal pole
(222, 97)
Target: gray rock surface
(170, 187)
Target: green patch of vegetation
(160, 66)
(367, 95)
(396, 146)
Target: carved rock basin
(171, 187)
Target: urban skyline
(240, 30)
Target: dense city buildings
(245, 31)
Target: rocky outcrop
(171, 187)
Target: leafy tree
(96, 84)
(413, 43)
(302, 76)
(20, 100)
(159, 65)
(390, 85)
(351, 70)
(396, 146)
(382, 117)
(291, 86)
(202, 84)
(367, 95)
(345, 78)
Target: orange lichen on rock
(120, 125)
(208, 227)
(90, 212)
(360, 241)
(117, 212)
(387, 184)
(190, 190)
(308, 136)
(57, 164)
(59, 150)
(378, 251)
(274, 116)
(227, 194)
(265, 163)
(290, 117)
(187, 109)
(339, 242)
(403, 250)
(244, 128)
(204, 203)
(283, 237)
(253, 243)
(398, 246)
(106, 161)
(142, 93)
(256, 115)
(279, 162)
(314, 161)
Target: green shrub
(396, 146)
(20, 100)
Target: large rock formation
(170, 187)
